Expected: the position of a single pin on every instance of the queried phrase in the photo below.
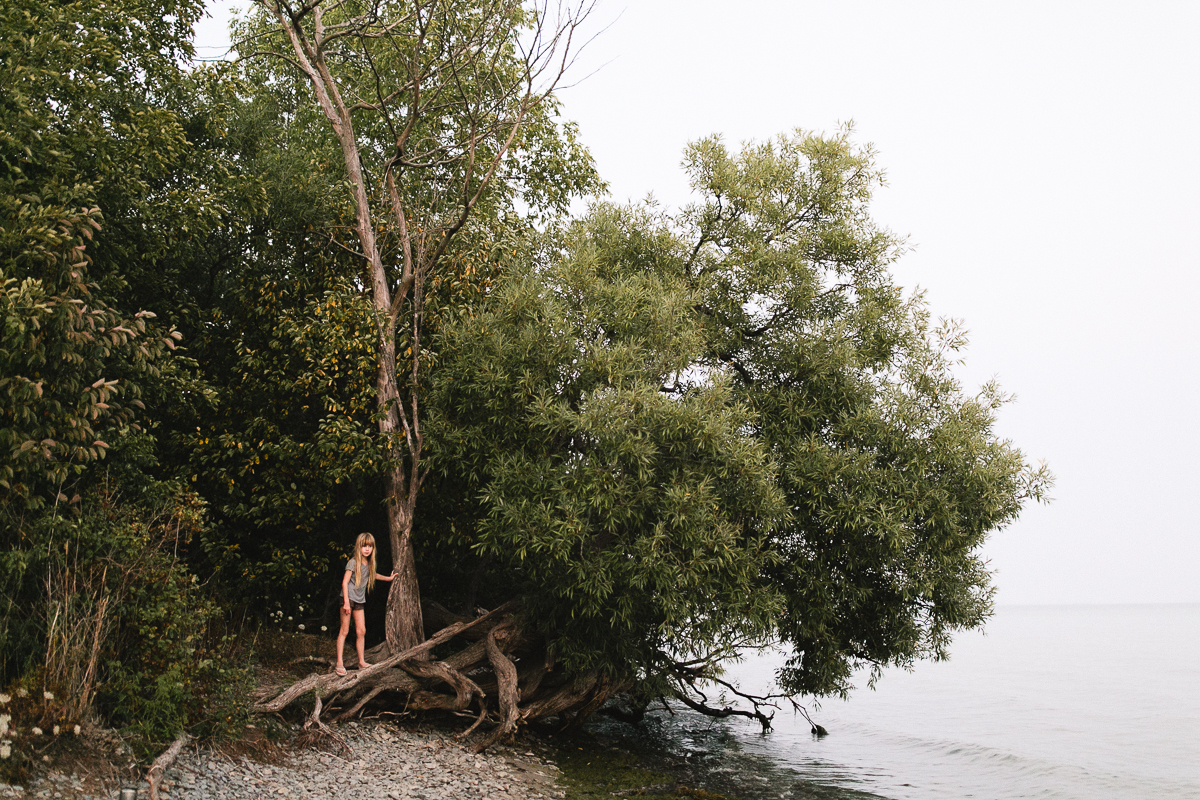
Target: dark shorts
(357, 606)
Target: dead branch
(686, 678)
(727, 711)
(816, 729)
(163, 763)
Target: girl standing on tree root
(358, 579)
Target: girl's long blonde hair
(364, 538)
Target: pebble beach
(384, 761)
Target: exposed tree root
(508, 696)
(325, 685)
(499, 660)
(314, 719)
(465, 689)
(352, 712)
(483, 710)
(586, 692)
(316, 733)
(508, 675)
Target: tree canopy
(279, 301)
(728, 425)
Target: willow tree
(892, 470)
(795, 464)
(427, 100)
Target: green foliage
(100, 604)
(726, 426)
(91, 111)
(70, 367)
(633, 518)
(93, 168)
(291, 456)
(669, 434)
(105, 185)
(892, 472)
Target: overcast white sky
(1044, 159)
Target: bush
(102, 613)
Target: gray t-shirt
(357, 594)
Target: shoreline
(700, 758)
(407, 760)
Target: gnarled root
(464, 688)
(316, 733)
(500, 660)
(325, 685)
(508, 695)
(314, 719)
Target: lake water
(1063, 702)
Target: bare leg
(360, 630)
(341, 640)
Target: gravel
(384, 762)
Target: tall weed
(104, 616)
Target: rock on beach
(384, 762)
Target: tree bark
(403, 625)
(329, 683)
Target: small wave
(903, 766)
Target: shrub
(102, 613)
